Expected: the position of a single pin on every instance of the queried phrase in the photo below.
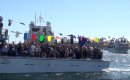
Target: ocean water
(119, 70)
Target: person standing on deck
(4, 50)
(32, 49)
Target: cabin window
(35, 29)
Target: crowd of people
(50, 50)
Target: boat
(32, 64)
(41, 65)
(120, 45)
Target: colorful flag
(22, 23)
(49, 38)
(6, 32)
(1, 25)
(10, 22)
(70, 35)
(60, 34)
(1, 18)
(33, 37)
(25, 36)
(97, 40)
(82, 41)
(41, 38)
(57, 37)
(17, 34)
(74, 36)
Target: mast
(40, 19)
(35, 18)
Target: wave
(116, 70)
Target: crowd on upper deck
(50, 50)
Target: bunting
(71, 35)
(42, 37)
(49, 38)
(17, 34)
(25, 36)
(60, 34)
(22, 23)
(97, 40)
(57, 37)
(82, 41)
(1, 18)
(6, 32)
(1, 25)
(33, 37)
(10, 22)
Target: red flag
(9, 22)
(33, 37)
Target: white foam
(116, 69)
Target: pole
(35, 18)
(40, 19)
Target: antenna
(35, 18)
(40, 19)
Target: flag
(13, 31)
(17, 34)
(25, 36)
(42, 37)
(57, 37)
(22, 23)
(33, 37)
(60, 34)
(82, 41)
(10, 22)
(1, 25)
(6, 32)
(1, 18)
(71, 35)
(74, 36)
(97, 40)
(49, 38)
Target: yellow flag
(49, 38)
(96, 40)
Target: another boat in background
(120, 45)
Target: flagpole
(40, 18)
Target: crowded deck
(52, 50)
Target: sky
(90, 18)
